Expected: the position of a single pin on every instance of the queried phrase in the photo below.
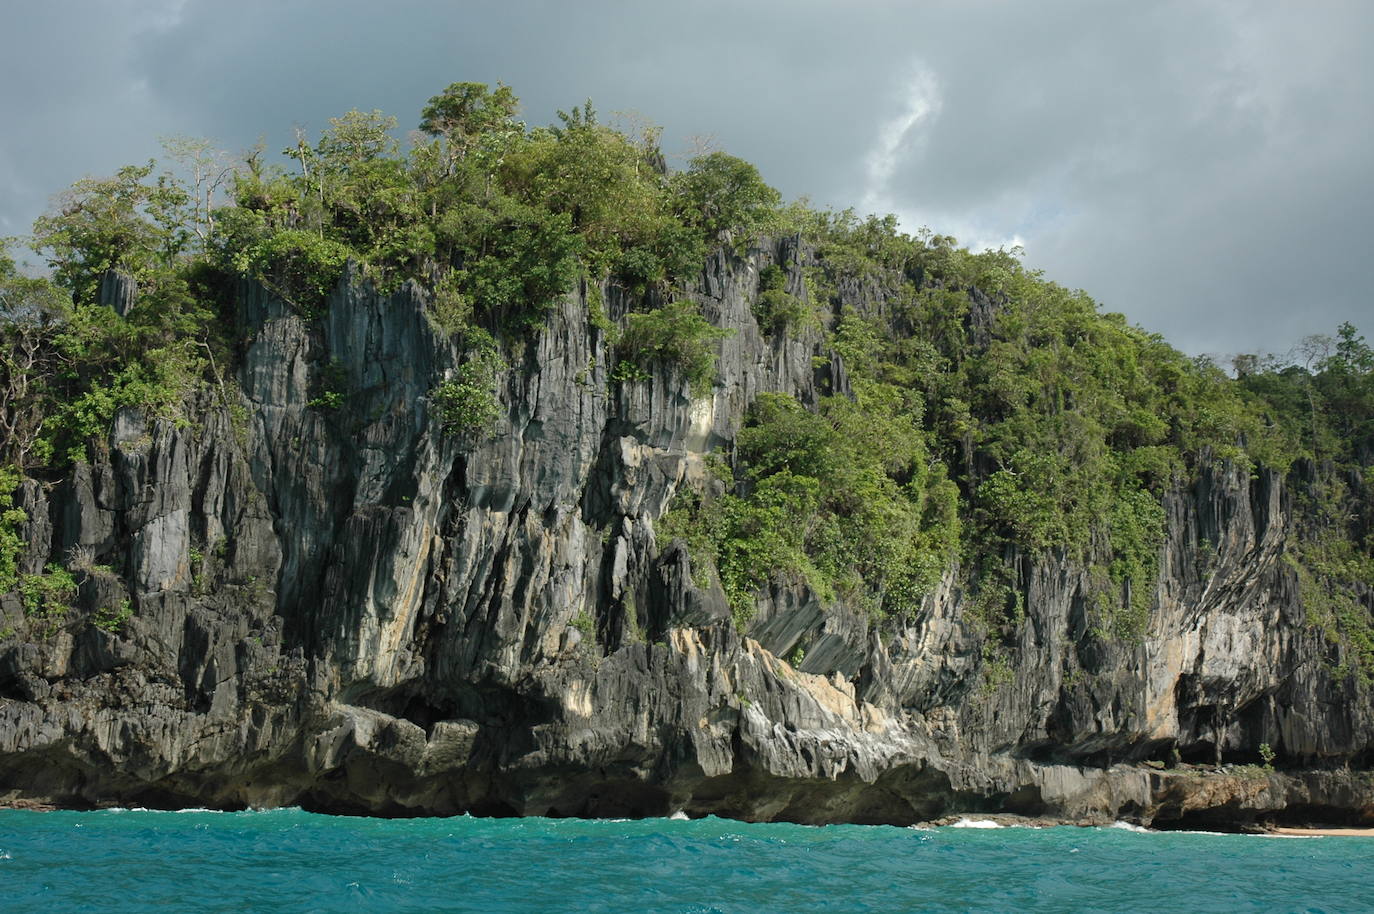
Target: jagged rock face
(352, 610)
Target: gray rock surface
(351, 610)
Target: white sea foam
(975, 823)
(678, 815)
(1130, 826)
(1214, 834)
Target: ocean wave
(1211, 834)
(1131, 826)
(252, 810)
(976, 823)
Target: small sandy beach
(1331, 832)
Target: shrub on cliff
(11, 526)
(468, 401)
(841, 499)
(675, 335)
(775, 309)
(721, 195)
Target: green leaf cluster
(67, 366)
(675, 335)
(47, 597)
(12, 522)
(776, 310)
(843, 499)
(1062, 426)
(468, 402)
(112, 619)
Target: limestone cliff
(354, 611)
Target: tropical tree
(120, 223)
(32, 312)
(463, 113)
(721, 194)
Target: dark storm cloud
(1203, 167)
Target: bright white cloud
(900, 135)
(900, 138)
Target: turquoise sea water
(288, 860)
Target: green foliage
(584, 623)
(330, 385)
(12, 522)
(354, 139)
(518, 260)
(465, 111)
(111, 619)
(772, 278)
(604, 181)
(1331, 570)
(685, 520)
(778, 312)
(1135, 528)
(467, 403)
(297, 265)
(842, 500)
(720, 194)
(596, 313)
(675, 335)
(859, 342)
(775, 310)
(33, 313)
(997, 668)
(114, 375)
(122, 223)
(47, 597)
(627, 372)
(450, 309)
(997, 607)
(497, 221)
(1062, 427)
(1322, 409)
(66, 369)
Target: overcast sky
(1207, 168)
